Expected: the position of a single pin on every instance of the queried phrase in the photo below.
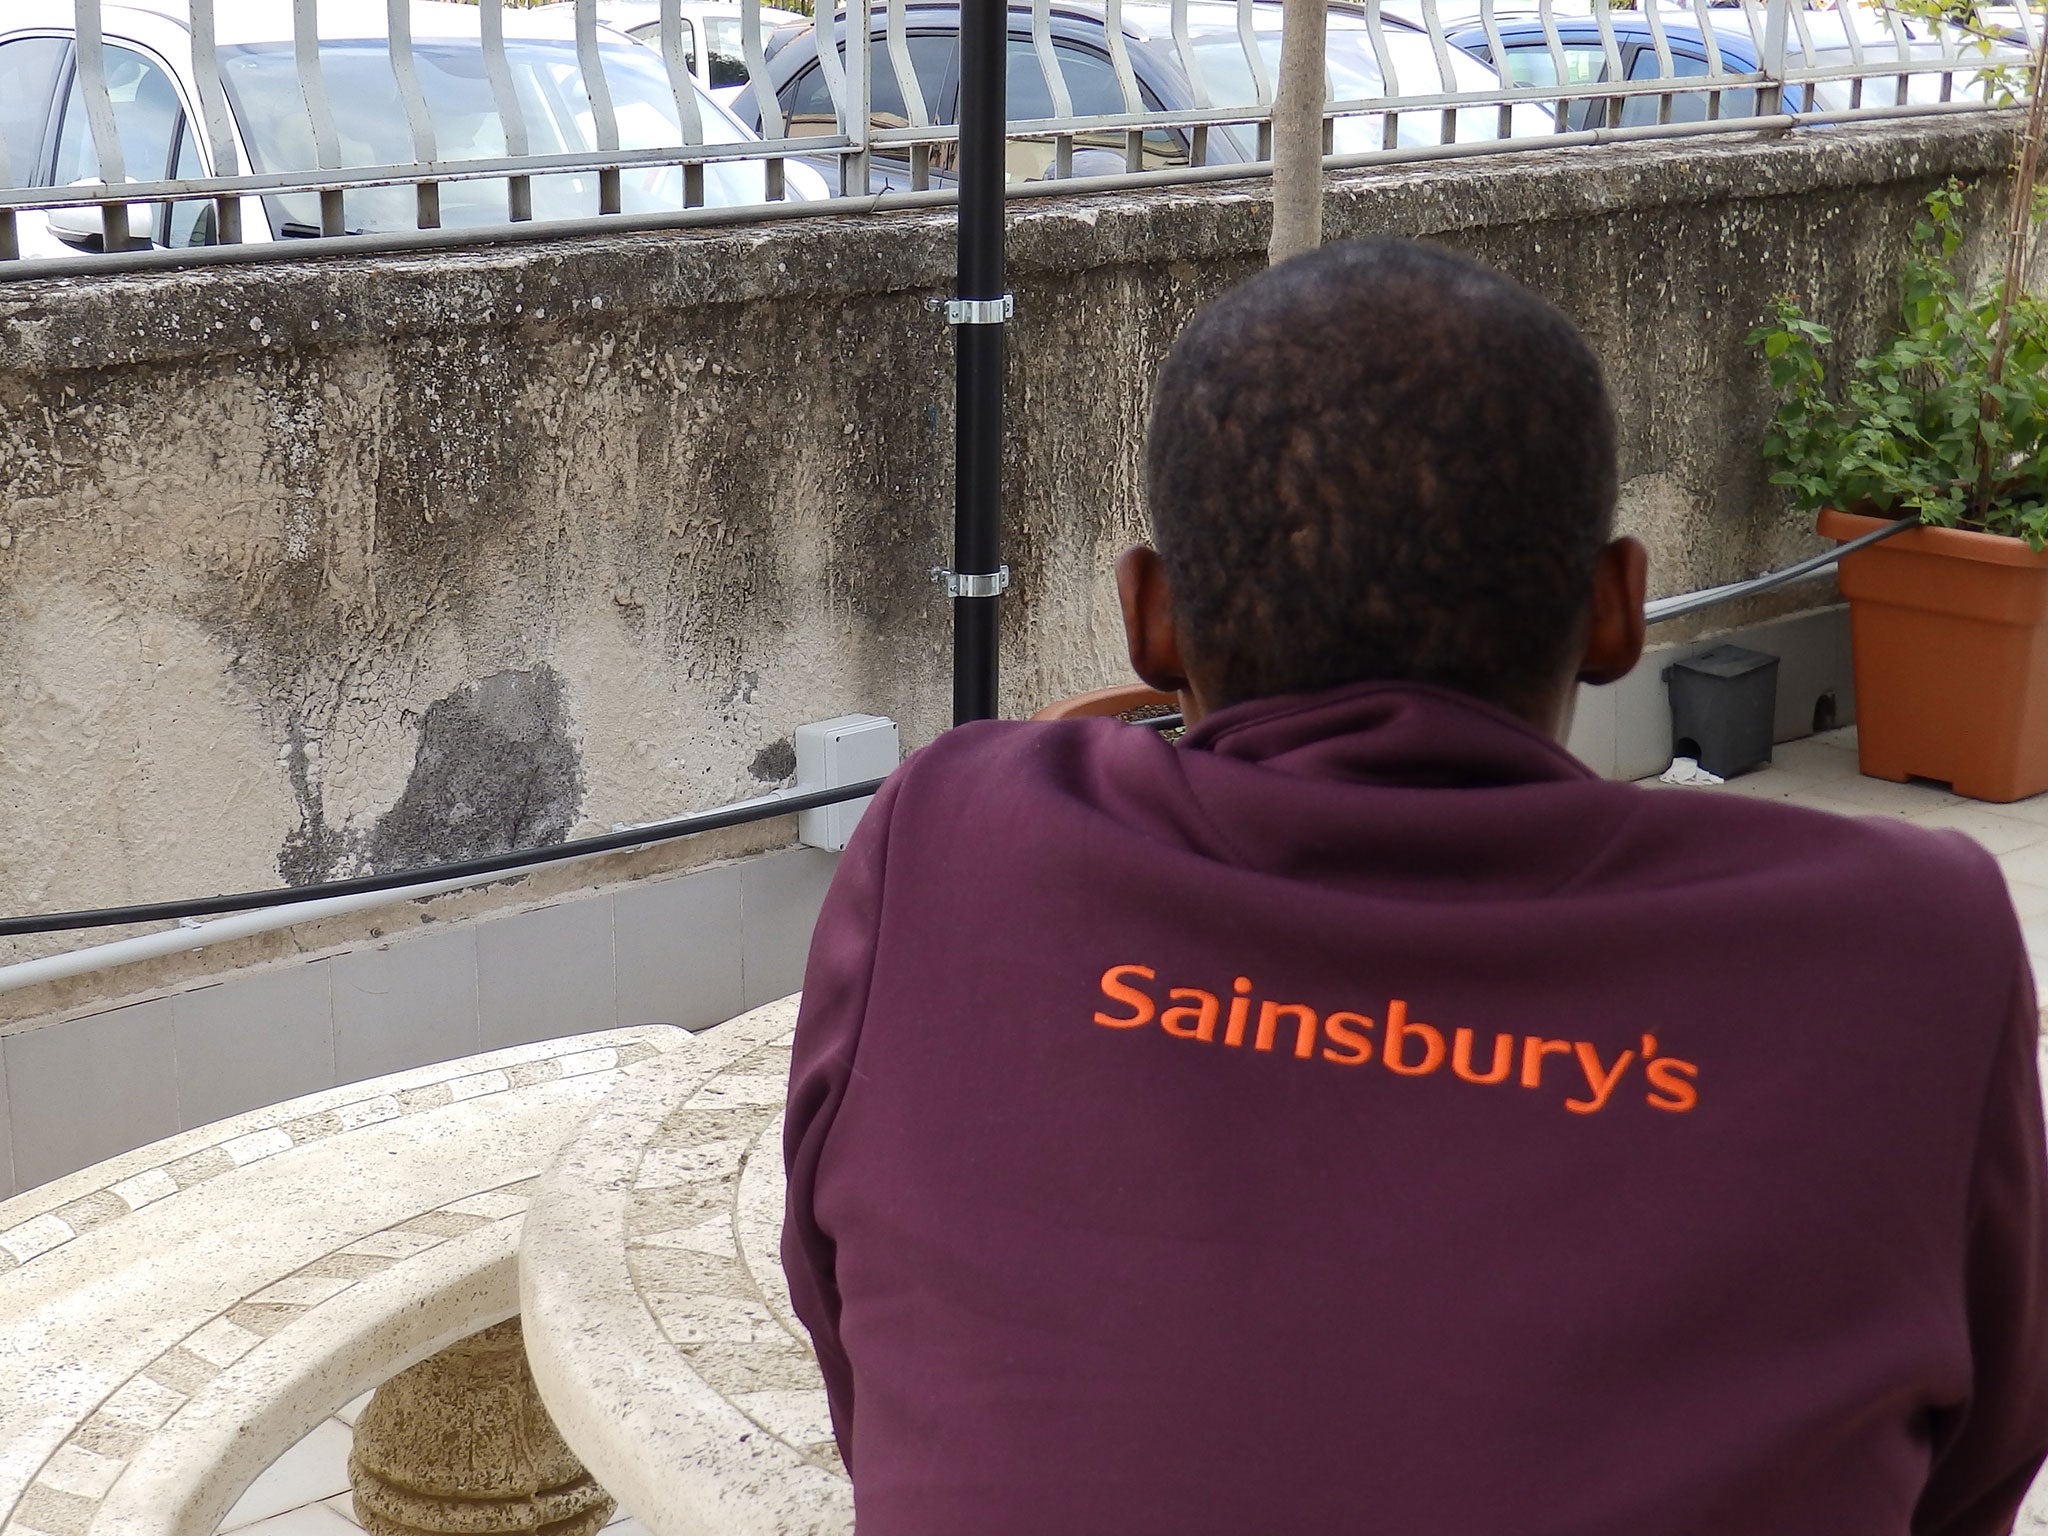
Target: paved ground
(306, 1492)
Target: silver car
(45, 139)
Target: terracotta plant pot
(1108, 701)
(1950, 636)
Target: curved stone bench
(658, 1321)
(174, 1319)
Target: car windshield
(370, 124)
(1355, 75)
(1969, 83)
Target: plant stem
(2019, 243)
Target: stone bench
(174, 1319)
(657, 1317)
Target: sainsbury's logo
(1404, 1046)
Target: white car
(45, 139)
(710, 33)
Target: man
(1360, 1117)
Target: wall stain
(496, 770)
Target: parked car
(1527, 61)
(1079, 38)
(47, 141)
(709, 32)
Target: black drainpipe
(977, 579)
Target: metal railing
(178, 140)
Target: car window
(195, 220)
(650, 34)
(28, 81)
(1094, 92)
(1689, 107)
(1354, 72)
(370, 122)
(146, 118)
(1531, 64)
(807, 100)
(725, 53)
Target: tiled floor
(1821, 772)
(305, 1492)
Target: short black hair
(1380, 460)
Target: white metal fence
(159, 132)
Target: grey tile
(678, 946)
(90, 1088)
(1642, 716)
(545, 973)
(253, 1040)
(779, 898)
(8, 1187)
(406, 1004)
(1592, 735)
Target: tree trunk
(1298, 132)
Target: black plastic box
(1722, 705)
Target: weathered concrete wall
(316, 569)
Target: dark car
(1165, 81)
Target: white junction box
(846, 749)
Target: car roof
(635, 13)
(270, 21)
(1827, 30)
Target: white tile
(35, 1236)
(221, 1343)
(1998, 834)
(306, 1520)
(344, 1505)
(2029, 901)
(145, 1188)
(1881, 797)
(81, 1473)
(302, 1290)
(1844, 738)
(2026, 864)
(626, 1525)
(2034, 808)
(349, 1412)
(314, 1469)
(256, 1146)
(1771, 783)
(1814, 757)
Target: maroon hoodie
(1361, 1118)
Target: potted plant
(1949, 419)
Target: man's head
(1381, 460)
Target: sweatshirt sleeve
(836, 984)
(1991, 1449)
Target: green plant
(1949, 417)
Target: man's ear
(1147, 603)
(1614, 634)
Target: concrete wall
(311, 570)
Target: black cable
(490, 864)
(726, 815)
